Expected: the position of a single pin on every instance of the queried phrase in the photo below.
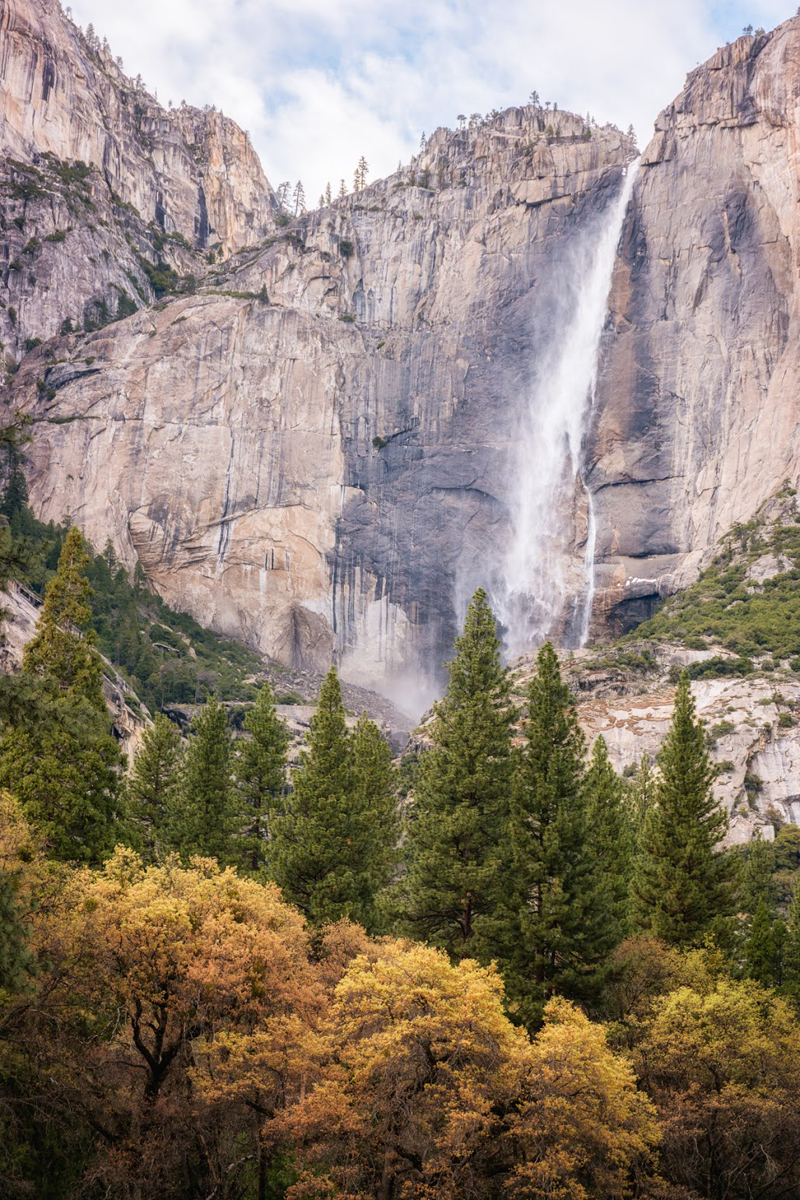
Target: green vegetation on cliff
(748, 599)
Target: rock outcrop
(98, 181)
(752, 725)
(699, 395)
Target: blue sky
(319, 82)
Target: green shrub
(785, 720)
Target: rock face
(699, 394)
(311, 451)
(308, 445)
(96, 178)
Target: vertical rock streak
(534, 587)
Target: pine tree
(611, 832)
(317, 845)
(375, 800)
(681, 884)
(462, 796)
(328, 193)
(203, 817)
(760, 949)
(555, 914)
(755, 876)
(66, 773)
(791, 950)
(260, 771)
(63, 648)
(641, 797)
(299, 198)
(342, 189)
(17, 960)
(153, 786)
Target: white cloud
(320, 82)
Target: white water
(535, 587)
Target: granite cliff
(307, 442)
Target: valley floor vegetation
(498, 971)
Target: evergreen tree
(375, 801)
(641, 797)
(555, 912)
(761, 962)
(755, 876)
(66, 773)
(153, 785)
(203, 819)
(63, 648)
(791, 950)
(460, 813)
(682, 880)
(260, 771)
(611, 832)
(322, 842)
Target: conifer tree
(791, 950)
(375, 800)
(611, 832)
(755, 876)
(260, 771)
(682, 880)
(203, 818)
(63, 647)
(319, 841)
(153, 786)
(328, 193)
(66, 774)
(641, 797)
(460, 814)
(760, 948)
(555, 913)
(17, 960)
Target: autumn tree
(723, 1067)
(459, 819)
(260, 771)
(682, 878)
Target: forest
(493, 969)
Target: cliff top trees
(681, 879)
(460, 814)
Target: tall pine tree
(611, 832)
(322, 841)
(555, 913)
(203, 818)
(153, 786)
(66, 775)
(260, 771)
(375, 800)
(459, 818)
(682, 879)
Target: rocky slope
(697, 405)
(98, 181)
(751, 724)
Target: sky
(318, 83)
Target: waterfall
(535, 587)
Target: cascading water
(534, 587)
